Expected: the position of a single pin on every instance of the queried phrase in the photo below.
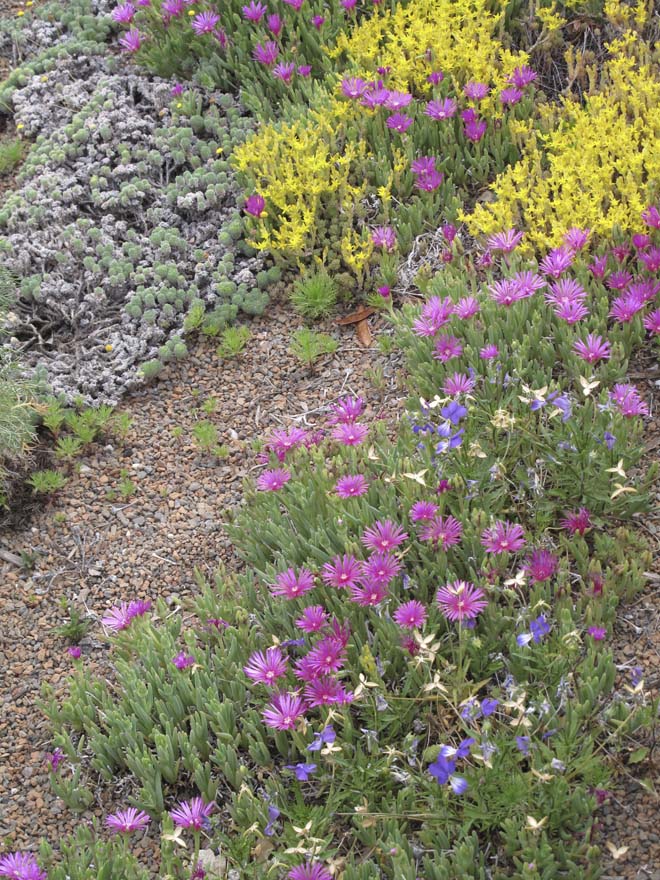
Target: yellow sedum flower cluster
(597, 167)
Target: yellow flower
(108, 347)
(20, 12)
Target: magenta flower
(442, 531)
(192, 814)
(384, 237)
(374, 97)
(383, 536)
(528, 283)
(435, 77)
(564, 292)
(651, 216)
(273, 480)
(510, 96)
(522, 76)
(304, 69)
(467, 307)
(267, 52)
(652, 322)
(628, 401)
(295, 4)
(255, 11)
(283, 711)
(318, 21)
(131, 41)
(312, 619)
(577, 522)
(379, 568)
(624, 308)
(120, 616)
(327, 656)
(284, 71)
(441, 109)
(447, 347)
(458, 383)
(593, 349)
(205, 22)
(488, 352)
(343, 571)
(421, 511)
(474, 130)
(571, 312)
(505, 241)
(503, 537)
(325, 690)
(21, 866)
(54, 759)
(353, 87)
(435, 314)
(290, 585)
(410, 615)
(557, 261)
(309, 871)
(506, 292)
(124, 13)
(266, 668)
(461, 601)
(346, 411)
(541, 565)
(171, 9)
(641, 240)
(255, 205)
(275, 25)
(350, 434)
(475, 91)
(283, 441)
(599, 266)
(397, 100)
(351, 486)
(399, 122)
(369, 594)
(576, 238)
(176, 90)
(619, 280)
(127, 820)
(183, 660)
(74, 651)
(597, 633)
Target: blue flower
(273, 816)
(522, 744)
(454, 412)
(458, 784)
(327, 735)
(441, 769)
(488, 706)
(302, 771)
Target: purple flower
(421, 511)
(597, 633)
(489, 352)
(131, 41)
(302, 771)
(273, 480)
(461, 601)
(353, 87)
(21, 866)
(346, 411)
(624, 308)
(442, 531)
(571, 312)
(458, 383)
(628, 401)
(384, 237)
(441, 109)
(183, 660)
(266, 668)
(120, 616)
(205, 22)
(435, 78)
(475, 130)
(593, 349)
(176, 90)
(475, 91)
(539, 628)
(255, 205)
(522, 76)
(380, 568)
(384, 536)
(127, 820)
(318, 22)
(541, 565)
(273, 816)
(295, 4)
(488, 706)
(446, 348)
(441, 769)
(284, 71)
(505, 241)
(192, 814)
(74, 651)
(577, 522)
(343, 571)
(124, 13)
(510, 96)
(350, 435)
(410, 615)
(54, 759)
(454, 412)
(283, 712)
(255, 11)
(369, 594)
(576, 238)
(290, 585)
(325, 737)
(275, 25)
(351, 486)
(599, 266)
(397, 100)
(523, 744)
(651, 216)
(309, 871)
(312, 619)
(325, 690)
(557, 261)
(652, 322)
(503, 537)
(399, 122)
(267, 52)
(171, 9)
(304, 69)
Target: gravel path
(93, 551)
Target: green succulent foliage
(46, 482)
(233, 342)
(314, 295)
(11, 153)
(308, 346)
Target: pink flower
(619, 280)
(443, 531)
(557, 261)
(266, 53)
(183, 660)
(318, 21)
(489, 352)
(312, 619)
(275, 25)
(597, 633)
(346, 411)
(651, 259)
(576, 238)
(255, 11)
(475, 91)
(435, 314)
(440, 110)
(503, 537)
(127, 820)
(510, 96)
(577, 522)
(458, 383)
(353, 87)
(461, 600)
(571, 312)
(266, 668)
(397, 100)
(124, 13)
(446, 348)
(522, 76)
(74, 651)
(295, 4)
(528, 282)
(327, 656)
(192, 814)
(423, 510)
(351, 434)
(273, 480)
(255, 205)
(384, 237)
(624, 308)
(283, 441)
(628, 401)
(398, 122)
(205, 22)
(324, 691)
(474, 130)
(284, 71)
(309, 871)
(120, 616)
(593, 349)
(410, 615)
(351, 486)
(383, 536)
(506, 292)
(435, 78)
(652, 322)
(651, 216)
(505, 241)
(283, 711)
(131, 41)
(343, 571)
(290, 585)
(380, 568)
(369, 594)
(21, 866)
(541, 565)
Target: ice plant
(384, 237)
(284, 441)
(350, 434)
(284, 71)
(593, 349)
(255, 205)
(597, 633)
(254, 11)
(447, 347)
(283, 711)
(441, 109)
(124, 13)
(351, 486)
(506, 241)
(21, 866)
(503, 537)
(273, 480)
(183, 660)
(312, 619)
(266, 668)
(461, 600)
(343, 571)
(192, 814)
(130, 819)
(399, 122)
(421, 511)
(510, 96)
(444, 532)
(385, 536)
(120, 616)
(131, 41)
(290, 585)
(628, 401)
(410, 615)
(205, 22)
(541, 565)
(577, 522)
(266, 53)
(309, 871)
